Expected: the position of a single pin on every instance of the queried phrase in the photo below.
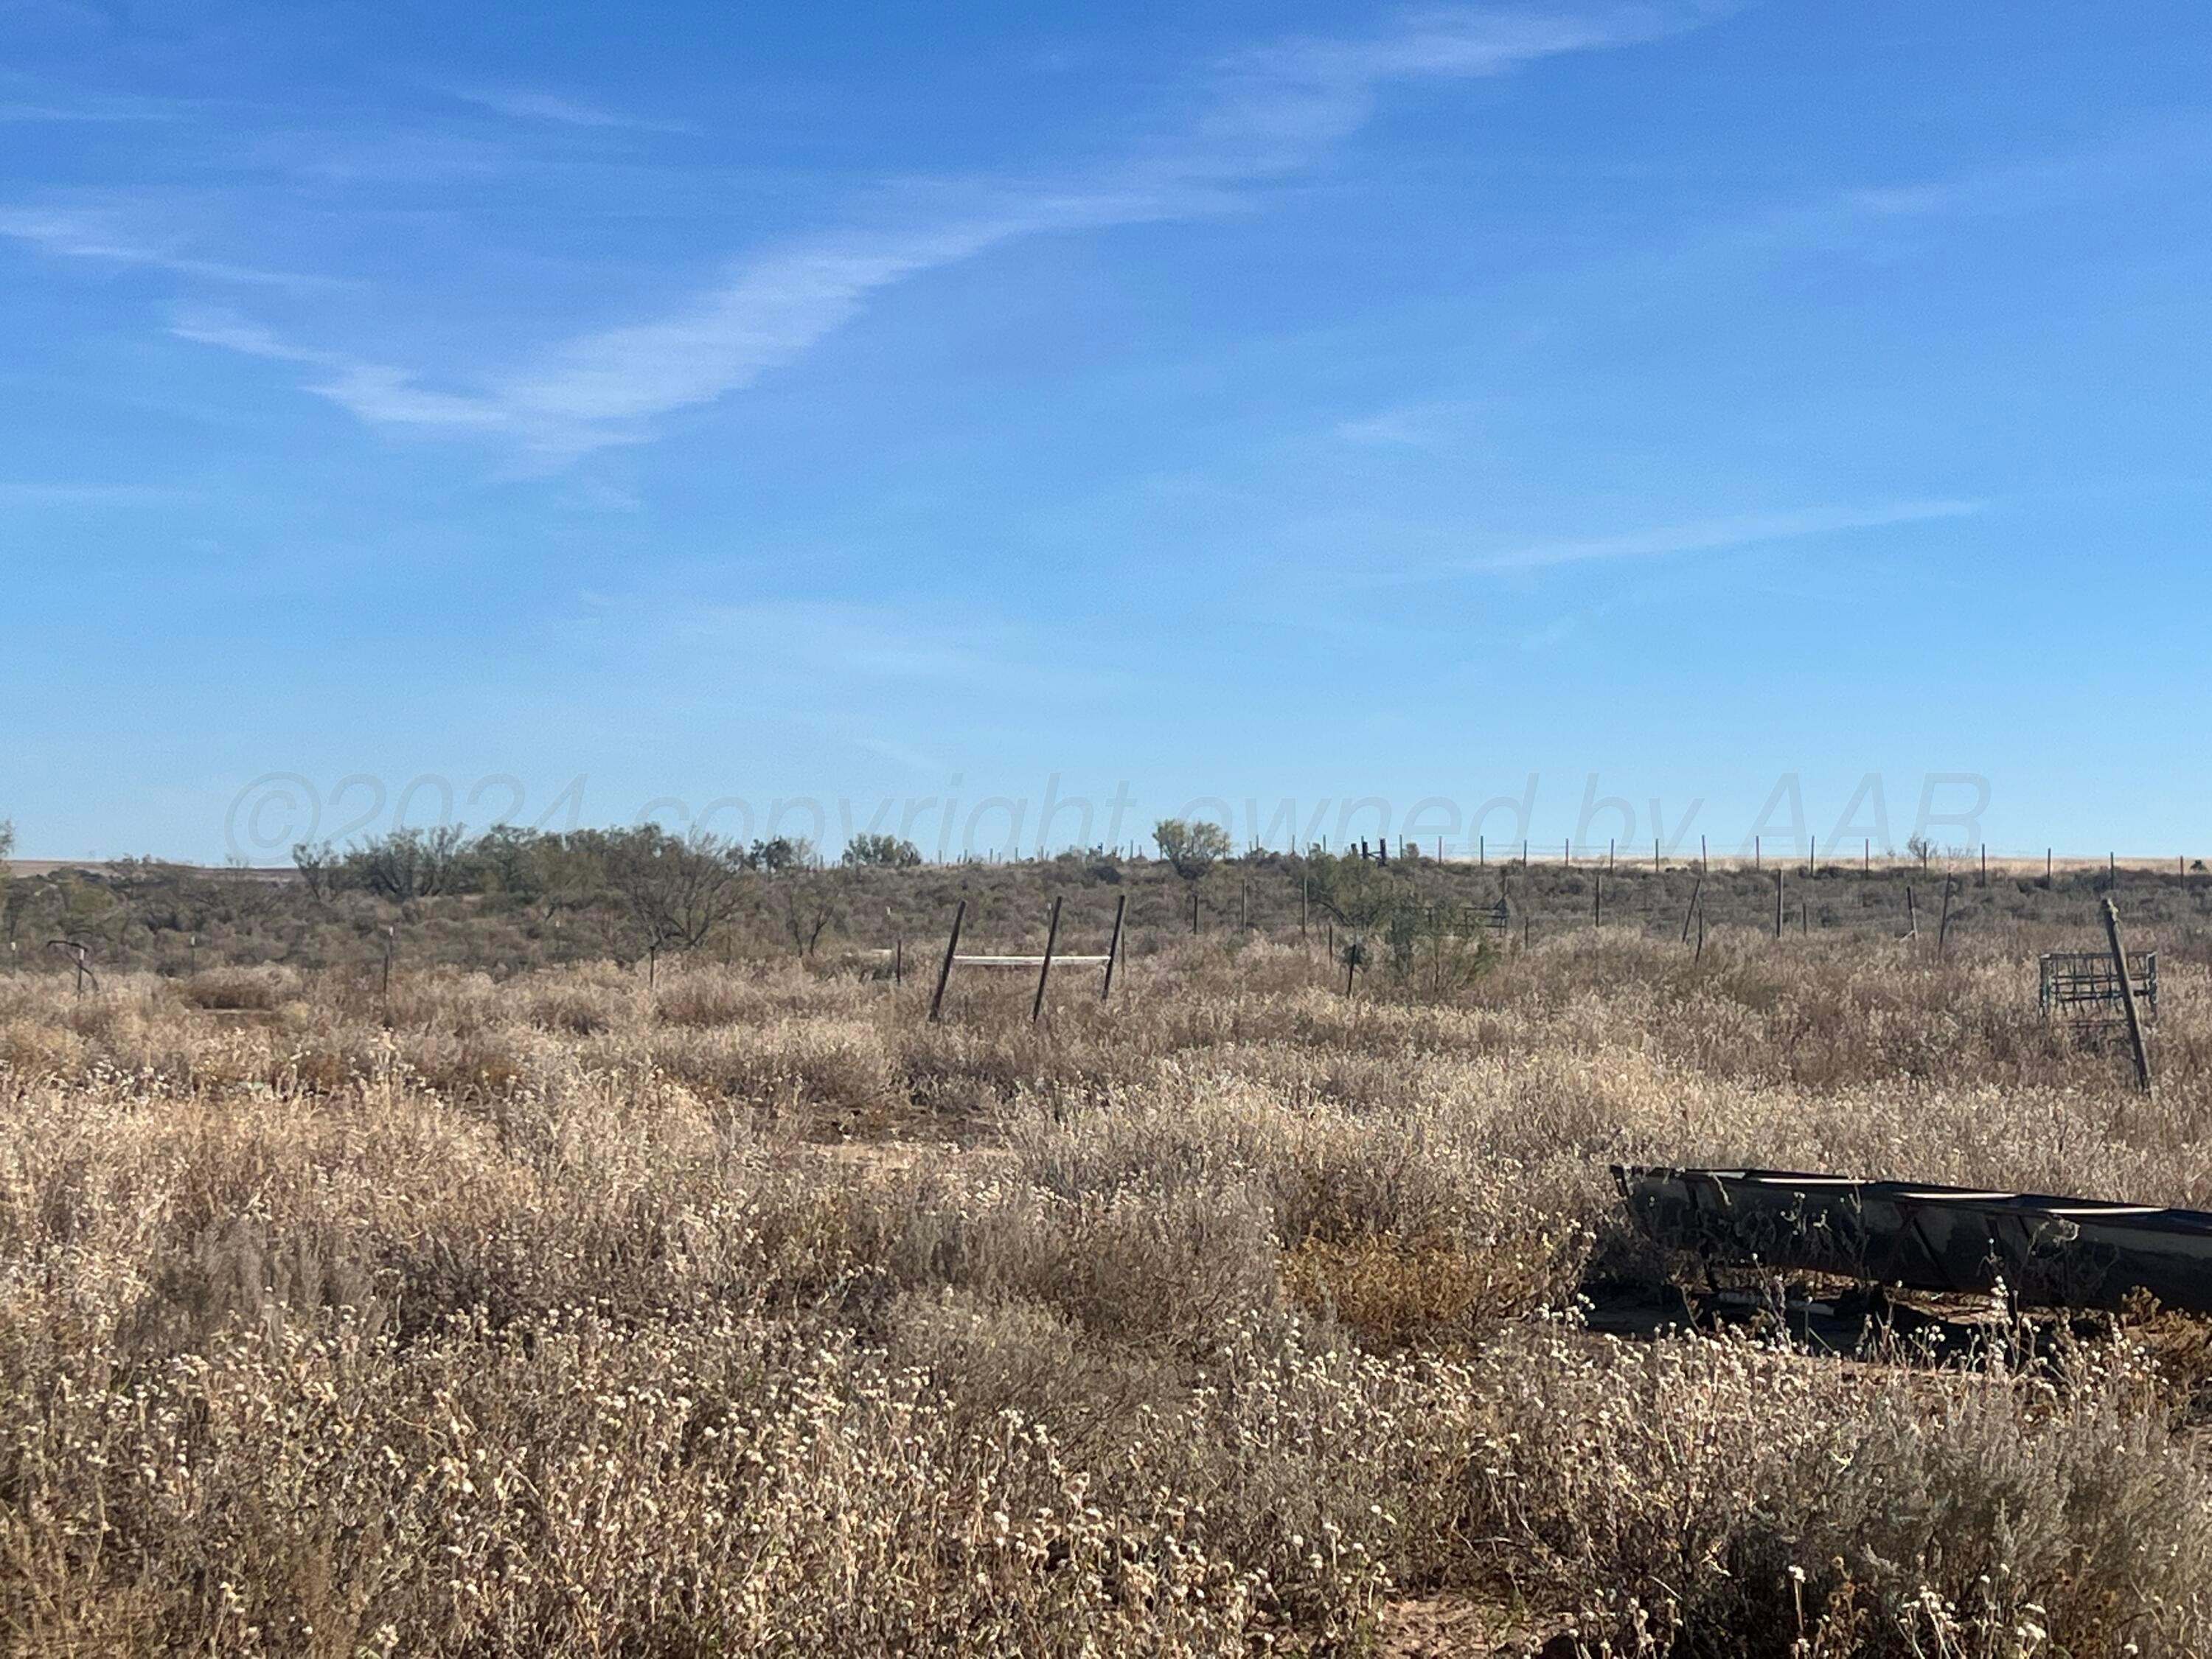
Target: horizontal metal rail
(1058, 961)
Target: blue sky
(729, 412)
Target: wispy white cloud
(1423, 426)
(80, 235)
(529, 104)
(1881, 218)
(602, 389)
(1700, 536)
(369, 389)
(1280, 103)
(768, 312)
(1269, 110)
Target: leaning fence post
(75, 954)
(1044, 968)
(1943, 922)
(945, 968)
(1697, 889)
(1114, 946)
(2128, 997)
(1911, 915)
(78, 954)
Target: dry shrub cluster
(748, 1312)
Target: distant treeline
(507, 898)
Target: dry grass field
(749, 1312)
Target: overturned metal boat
(2040, 1250)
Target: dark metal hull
(2042, 1250)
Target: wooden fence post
(1114, 946)
(1044, 968)
(2128, 996)
(1943, 923)
(945, 968)
(1911, 915)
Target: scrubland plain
(750, 1312)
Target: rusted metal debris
(2040, 1250)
